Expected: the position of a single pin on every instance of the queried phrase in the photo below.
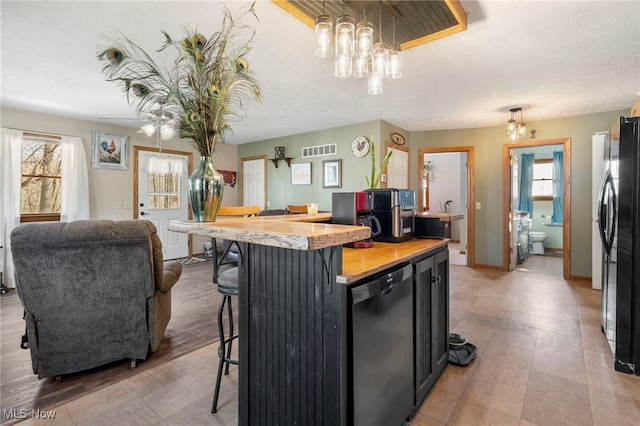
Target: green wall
(280, 192)
(487, 143)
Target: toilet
(535, 240)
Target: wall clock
(397, 138)
(360, 146)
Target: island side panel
(292, 337)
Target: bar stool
(225, 275)
(227, 281)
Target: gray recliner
(93, 292)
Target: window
(542, 180)
(164, 191)
(41, 179)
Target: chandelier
(516, 129)
(161, 123)
(356, 54)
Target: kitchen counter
(294, 303)
(443, 217)
(360, 263)
(294, 231)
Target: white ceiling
(555, 58)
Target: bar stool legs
(224, 350)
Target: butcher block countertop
(444, 217)
(359, 263)
(295, 231)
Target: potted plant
(208, 86)
(376, 175)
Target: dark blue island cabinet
(296, 330)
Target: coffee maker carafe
(354, 208)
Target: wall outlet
(119, 204)
(268, 204)
(128, 204)
(478, 205)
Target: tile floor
(542, 360)
(547, 264)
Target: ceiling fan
(159, 121)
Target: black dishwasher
(382, 349)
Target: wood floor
(192, 326)
(542, 360)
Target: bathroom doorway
(537, 228)
(455, 166)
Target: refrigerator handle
(606, 237)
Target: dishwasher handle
(381, 285)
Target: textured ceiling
(556, 58)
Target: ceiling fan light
(324, 36)
(149, 129)
(167, 132)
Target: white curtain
(75, 181)
(164, 163)
(10, 158)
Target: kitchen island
(295, 349)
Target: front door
(161, 195)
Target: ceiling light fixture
(160, 123)
(356, 54)
(516, 129)
(324, 36)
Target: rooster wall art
(109, 151)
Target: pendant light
(516, 129)
(344, 44)
(364, 43)
(324, 35)
(395, 67)
(379, 61)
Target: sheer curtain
(558, 187)
(526, 184)
(75, 181)
(10, 158)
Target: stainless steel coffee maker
(354, 208)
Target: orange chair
(239, 211)
(293, 209)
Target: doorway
(466, 188)
(397, 169)
(254, 181)
(509, 228)
(160, 194)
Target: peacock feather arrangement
(208, 87)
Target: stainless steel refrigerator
(618, 221)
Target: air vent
(319, 150)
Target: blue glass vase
(205, 190)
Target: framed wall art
(332, 174)
(301, 174)
(109, 151)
